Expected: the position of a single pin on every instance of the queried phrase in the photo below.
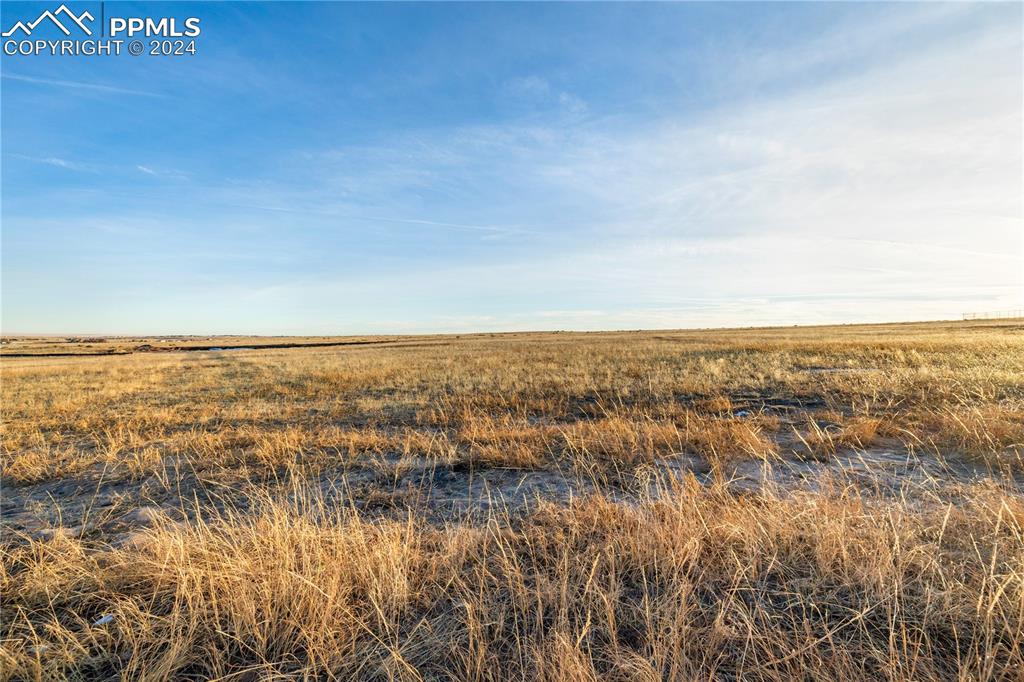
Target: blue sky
(355, 168)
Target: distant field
(60, 346)
(770, 504)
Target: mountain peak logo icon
(77, 19)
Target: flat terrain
(769, 504)
(63, 346)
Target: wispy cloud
(58, 162)
(537, 91)
(357, 217)
(63, 163)
(80, 85)
(85, 167)
(162, 173)
(532, 86)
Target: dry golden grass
(531, 397)
(695, 585)
(256, 569)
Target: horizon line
(502, 332)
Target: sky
(336, 168)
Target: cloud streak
(80, 85)
(58, 162)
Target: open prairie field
(830, 503)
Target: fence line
(995, 315)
